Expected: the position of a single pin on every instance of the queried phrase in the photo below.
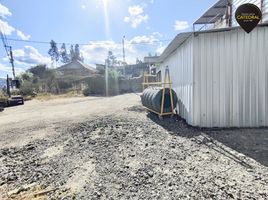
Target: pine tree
(82, 57)
(77, 52)
(53, 52)
(64, 54)
(72, 52)
(111, 59)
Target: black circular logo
(248, 16)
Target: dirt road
(36, 120)
(111, 148)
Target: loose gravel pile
(130, 156)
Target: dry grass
(2, 95)
(25, 195)
(49, 96)
(3, 98)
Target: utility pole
(11, 59)
(123, 41)
(8, 87)
(124, 58)
(8, 49)
(106, 78)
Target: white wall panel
(221, 78)
(265, 11)
(180, 64)
(230, 78)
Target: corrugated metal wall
(181, 70)
(230, 78)
(265, 11)
(237, 3)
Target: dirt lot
(111, 148)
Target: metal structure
(146, 81)
(151, 96)
(222, 14)
(220, 76)
(216, 12)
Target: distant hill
(2, 82)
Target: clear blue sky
(100, 24)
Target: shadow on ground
(252, 142)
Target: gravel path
(131, 154)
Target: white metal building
(220, 76)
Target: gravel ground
(130, 154)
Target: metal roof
(182, 37)
(214, 13)
(76, 64)
(175, 43)
(150, 59)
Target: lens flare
(106, 18)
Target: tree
(25, 76)
(26, 83)
(50, 79)
(138, 61)
(82, 57)
(53, 52)
(77, 52)
(111, 59)
(64, 54)
(38, 71)
(72, 52)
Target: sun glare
(105, 2)
(106, 18)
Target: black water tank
(152, 99)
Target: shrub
(26, 88)
(64, 85)
(3, 100)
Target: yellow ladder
(167, 81)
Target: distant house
(130, 71)
(73, 76)
(151, 61)
(100, 68)
(135, 70)
(77, 68)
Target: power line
(86, 44)
(8, 49)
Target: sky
(97, 25)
